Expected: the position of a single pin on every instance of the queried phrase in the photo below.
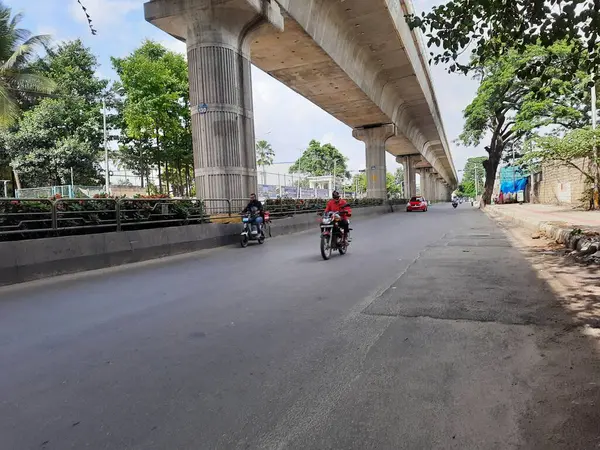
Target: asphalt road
(433, 332)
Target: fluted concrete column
(374, 139)
(219, 66)
(410, 179)
(426, 182)
(440, 189)
(421, 189)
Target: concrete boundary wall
(33, 259)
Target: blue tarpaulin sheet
(508, 187)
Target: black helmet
(335, 195)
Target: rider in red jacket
(337, 204)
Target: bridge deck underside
(296, 60)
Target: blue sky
(121, 28)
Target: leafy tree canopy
(318, 160)
(18, 84)
(474, 170)
(393, 182)
(154, 111)
(51, 139)
(507, 109)
(265, 155)
(492, 28)
(566, 150)
(63, 132)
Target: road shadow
(477, 278)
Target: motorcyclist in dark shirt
(255, 206)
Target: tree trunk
(167, 177)
(179, 178)
(141, 161)
(187, 180)
(159, 178)
(491, 167)
(158, 160)
(17, 181)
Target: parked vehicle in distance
(417, 204)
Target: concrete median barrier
(33, 259)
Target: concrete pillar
(410, 179)
(430, 185)
(218, 52)
(426, 181)
(374, 139)
(440, 189)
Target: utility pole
(107, 187)
(596, 193)
(476, 193)
(513, 168)
(334, 174)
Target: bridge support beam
(374, 139)
(410, 179)
(425, 184)
(218, 52)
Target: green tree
(474, 170)
(318, 160)
(359, 180)
(508, 109)
(18, 84)
(63, 132)
(155, 89)
(393, 182)
(492, 28)
(569, 150)
(393, 187)
(265, 154)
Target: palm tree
(17, 48)
(264, 156)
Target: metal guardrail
(36, 218)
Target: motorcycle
(252, 231)
(332, 235)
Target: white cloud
(105, 13)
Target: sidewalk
(556, 222)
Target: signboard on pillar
(374, 173)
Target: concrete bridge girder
(363, 78)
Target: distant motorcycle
(332, 235)
(252, 231)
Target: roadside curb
(32, 259)
(560, 232)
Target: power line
(89, 19)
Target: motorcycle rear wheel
(326, 247)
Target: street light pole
(107, 187)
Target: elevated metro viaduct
(358, 60)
